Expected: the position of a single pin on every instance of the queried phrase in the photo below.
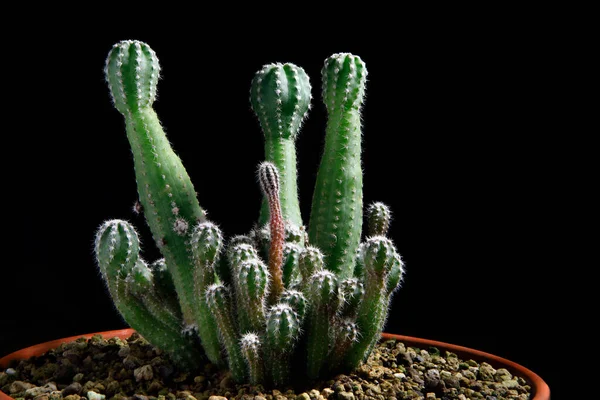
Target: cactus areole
(282, 303)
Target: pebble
(502, 374)
(73, 388)
(91, 395)
(11, 371)
(223, 398)
(259, 398)
(19, 386)
(303, 396)
(346, 396)
(432, 379)
(486, 372)
(327, 392)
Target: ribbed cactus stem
(206, 241)
(352, 291)
(252, 352)
(378, 219)
(117, 253)
(280, 96)
(140, 282)
(283, 329)
(291, 256)
(346, 332)
(268, 177)
(394, 278)
(163, 285)
(296, 300)
(164, 187)
(336, 216)
(311, 260)
(324, 300)
(219, 302)
(251, 288)
(379, 255)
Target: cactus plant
(280, 296)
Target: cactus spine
(279, 295)
(336, 216)
(280, 96)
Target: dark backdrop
(456, 142)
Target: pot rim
(540, 389)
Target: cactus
(280, 96)
(280, 295)
(336, 215)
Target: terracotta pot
(539, 387)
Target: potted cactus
(282, 295)
(288, 304)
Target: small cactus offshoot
(282, 303)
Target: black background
(460, 140)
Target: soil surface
(115, 369)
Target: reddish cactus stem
(269, 183)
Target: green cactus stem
(296, 300)
(346, 333)
(251, 349)
(352, 291)
(251, 288)
(291, 256)
(165, 190)
(336, 217)
(268, 176)
(280, 96)
(378, 255)
(219, 302)
(163, 286)
(324, 300)
(283, 330)
(378, 219)
(206, 241)
(117, 253)
(311, 260)
(140, 282)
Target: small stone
(462, 397)
(222, 398)
(73, 388)
(19, 386)
(314, 394)
(143, 373)
(91, 395)
(511, 383)
(227, 382)
(345, 396)
(259, 398)
(502, 374)
(78, 377)
(199, 379)
(450, 380)
(139, 397)
(43, 396)
(430, 396)
(303, 396)
(327, 392)
(432, 379)
(399, 375)
(486, 372)
(11, 371)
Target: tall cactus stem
(219, 302)
(336, 216)
(280, 96)
(282, 332)
(324, 302)
(206, 241)
(268, 177)
(164, 187)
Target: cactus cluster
(281, 301)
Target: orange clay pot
(540, 390)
